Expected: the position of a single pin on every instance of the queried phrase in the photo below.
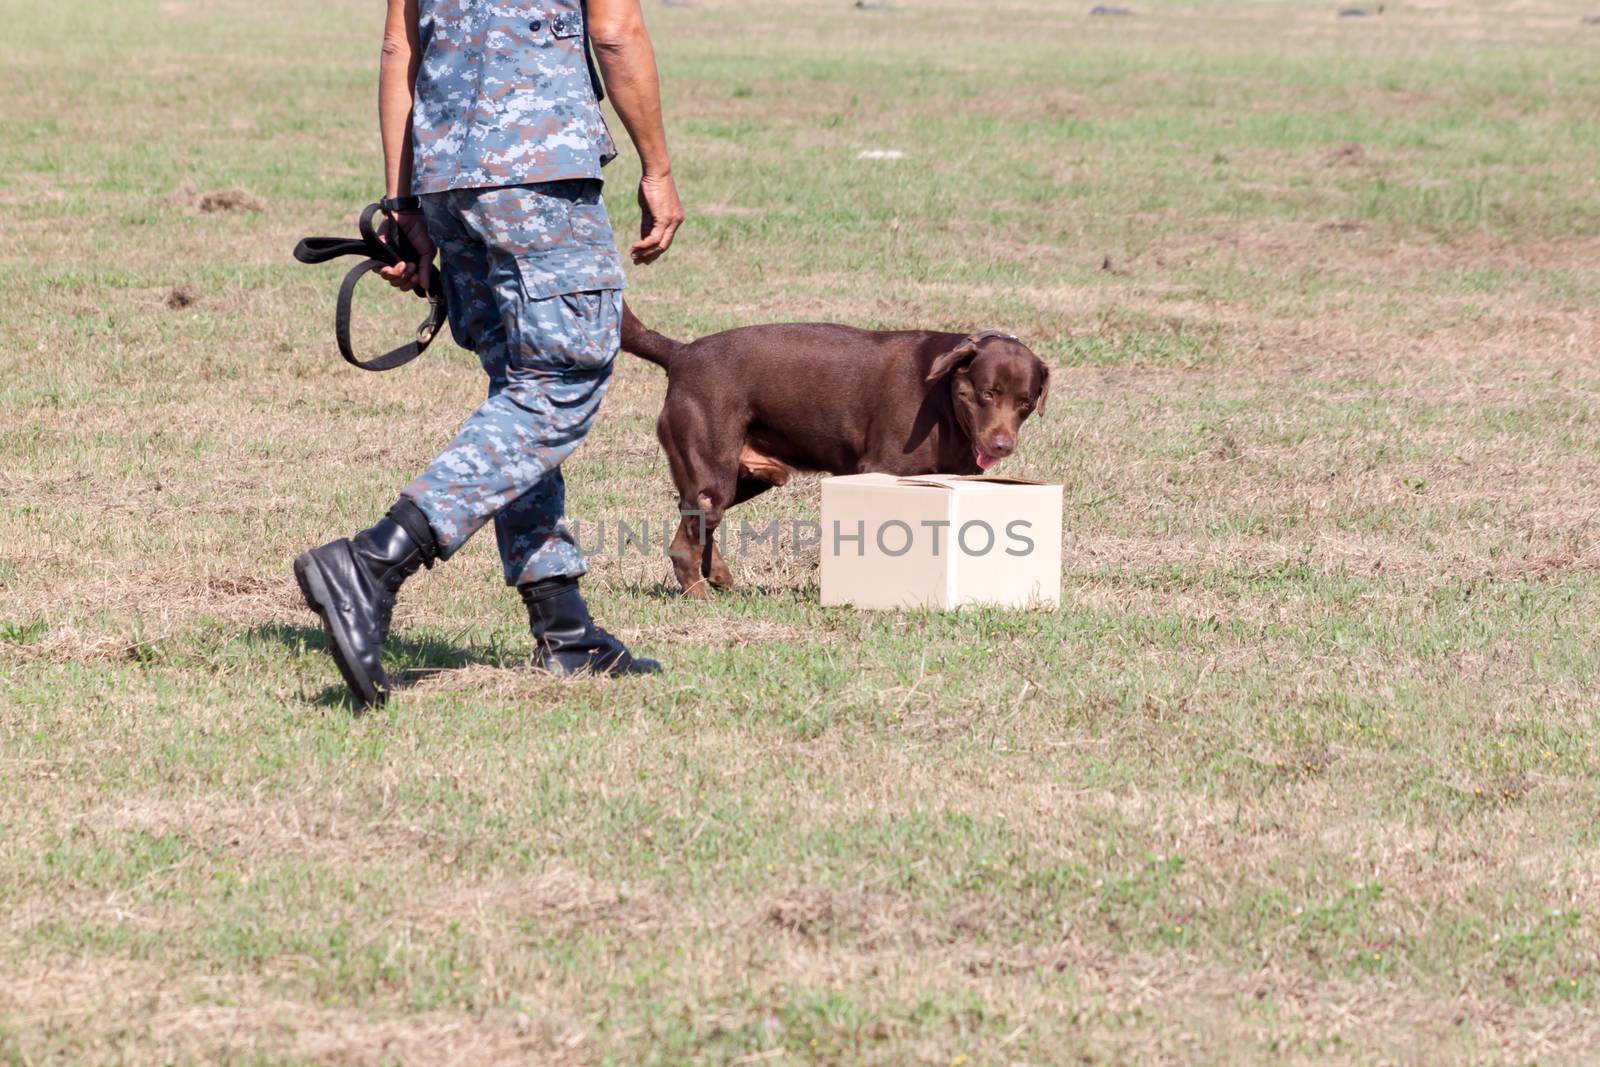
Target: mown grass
(1303, 769)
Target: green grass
(1303, 769)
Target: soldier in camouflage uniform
(493, 144)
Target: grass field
(1304, 770)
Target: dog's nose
(1002, 445)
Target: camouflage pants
(535, 290)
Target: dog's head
(995, 384)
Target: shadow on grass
(413, 659)
(656, 591)
(669, 591)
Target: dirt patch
(872, 920)
(1346, 155)
(228, 201)
(808, 913)
(180, 297)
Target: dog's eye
(988, 395)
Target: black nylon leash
(375, 253)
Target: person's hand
(660, 215)
(409, 276)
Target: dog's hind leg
(712, 505)
(714, 567)
(695, 559)
(757, 473)
(685, 551)
(703, 454)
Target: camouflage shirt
(504, 97)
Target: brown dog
(748, 407)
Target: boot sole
(308, 573)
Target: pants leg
(549, 361)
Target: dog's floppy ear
(1044, 388)
(961, 353)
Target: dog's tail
(644, 342)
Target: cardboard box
(940, 541)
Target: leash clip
(429, 327)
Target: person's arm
(628, 66)
(397, 78)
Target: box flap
(862, 479)
(950, 481)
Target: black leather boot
(352, 584)
(566, 640)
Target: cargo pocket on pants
(569, 331)
(594, 317)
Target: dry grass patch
(82, 1011)
(551, 898)
(218, 824)
(723, 631)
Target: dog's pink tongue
(985, 461)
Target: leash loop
(376, 254)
